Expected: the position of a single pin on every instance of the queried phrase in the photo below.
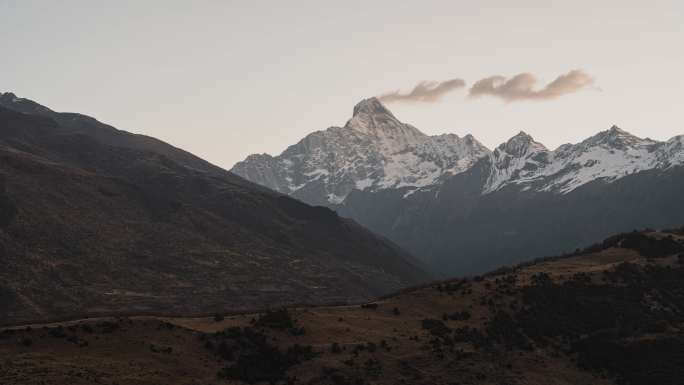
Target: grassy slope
(615, 309)
(89, 227)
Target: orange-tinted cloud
(424, 92)
(522, 86)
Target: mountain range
(464, 208)
(95, 220)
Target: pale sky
(224, 79)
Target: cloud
(424, 92)
(522, 87)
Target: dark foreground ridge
(609, 314)
(96, 221)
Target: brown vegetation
(611, 316)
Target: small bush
(504, 330)
(373, 368)
(459, 316)
(108, 327)
(253, 358)
(57, 332)
(277, 319)
(435, 327)
(160, 349)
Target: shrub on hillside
(435, 327)
(253, 359)
(276, 319)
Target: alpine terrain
(464, 208)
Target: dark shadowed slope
(118, 222)
(77, 123)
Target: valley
(341, 193)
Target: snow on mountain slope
(517, 160)
(670, 153)
(375, 151)
(372, 151)
(608, 155)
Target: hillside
(610, 314)
(95, 221)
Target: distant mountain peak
(521, 144)
(520, 137)
(373, 118)
(371, 106)
(616, 132)
(617, 138)
(373, 151)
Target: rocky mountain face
(94, 220)
(608, 156)
(373, 151)
(463, 208)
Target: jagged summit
(371, 106)
(521, 144)
(615, 132)
(371, 117)
(617, 138)
(523, 134)
(373, 151)
(608, 156)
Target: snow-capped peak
(371, 117)
(374, 150)
(371, 106)
(521, 144)
(671, 152)
(515, 159)
(608, 156)
(618, 138)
